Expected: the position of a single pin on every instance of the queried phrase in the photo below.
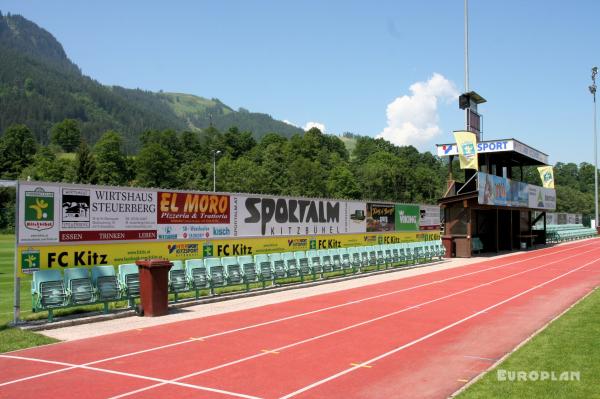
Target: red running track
(417, 337)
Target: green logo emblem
(207, 250)
(313, 244)
(407, 217)
(39, 209)
(380, 240)
(468, 150)
(30, 261)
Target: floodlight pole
(215, 153)
(593, 91)
(16, 278)
(466, 46)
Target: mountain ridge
(41, 86)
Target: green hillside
(40, 86)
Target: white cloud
(413, 119)
(310, 125)
(290, 123)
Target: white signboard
(277, 216)
(542, 198)
(444, 150)
(53, 213)
(62, 213)
(430, 217)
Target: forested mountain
(40, 86)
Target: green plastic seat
(196, 273)
(291, 264)
(78, 286)
(48, 290)
(104, 281)
(380, 255)
(303, 262)
(345, 258)
(265, 268)
(355, 259)
(216, 272)
(177, 277)
(372, 251)
(316, 265)
(278, 265)
(336, 259)
(248, 268)
(129, 279)
(233, 271)
(326, 261)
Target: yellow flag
(467, 149)
(547, 176)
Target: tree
(167, 139)
(46, 167)
(240, 175)
(236, 143)
(342, 183)
(111, 162)
(66, 134)
(17, 148)
(85, 165)
(156, 167)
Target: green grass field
(571, 343)
(13, 338)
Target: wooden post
(511, 230)
(497, 232)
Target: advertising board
(35, 257)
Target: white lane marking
(436, 332)
(132, 375)
(297, 343)
(302, 314)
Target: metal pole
(595, 163)
(593, 91)
(17, 279)
(214, 171)
(466, 46)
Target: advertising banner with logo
(429, 217)
(381, 217)
(496, 190)
(444, 150)
(542, 198)
(466, 143)
(52, 213)
(35, 257)
(189, 215)
(283, 216)
(407, 217)
(547, 176)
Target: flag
(547, 176)
(466, 143)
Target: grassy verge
(571, 343)
(13, 338)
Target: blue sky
(341, 63)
